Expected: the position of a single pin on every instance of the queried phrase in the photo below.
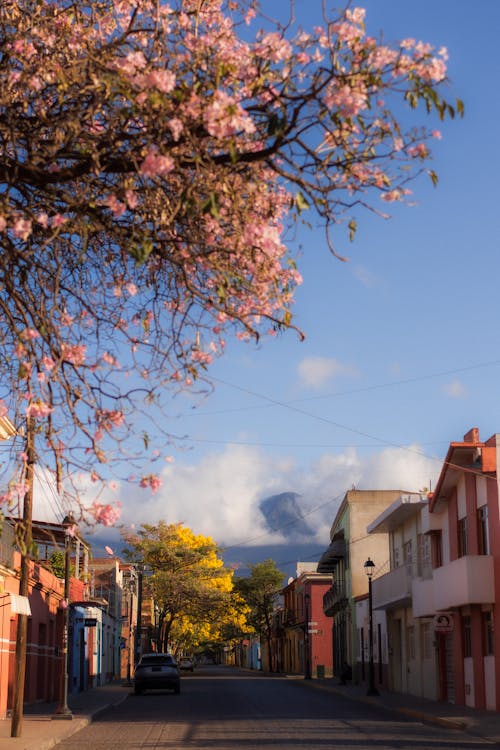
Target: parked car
(186, 664)
(155, 672)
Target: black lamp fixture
(369, 570)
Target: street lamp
(63, 711)
(369, 570)
(131, 637)
(307, 601)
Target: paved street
(221, 710)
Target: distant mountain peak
(283, 514)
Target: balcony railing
(335, 598)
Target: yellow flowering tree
(185, 576)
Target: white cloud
(366, 277)
(316, 372)
(455, 389)
(219, 496)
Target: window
(462, 537)
(424, 556)
(488, 649)
(408, 556)
(426, 640)
(410, 642)
(483, 530)
(467, 636)
(437, 549)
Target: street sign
(312, 632)
(90, 622)
(443, 623)
(311, 623)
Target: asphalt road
(221, 709)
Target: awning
(20, 605)
(333, 554)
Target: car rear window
(151, 660)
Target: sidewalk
(40, 731)
(484, 724)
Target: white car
(186, 664)
(155, 672)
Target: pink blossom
(418, 151)
(3, 223)
(107, 515)
(163, 80)
(155, 164)
(29, 334)
(58, 220)
(151, 480)
(22, 228)
(131, 198)
(176, 126)
(48, 363)
(116, 207)
(225, 117)
(3, 409)
(75, 354)
(131, 289)
(38, 409)
(109, 551)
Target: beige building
(350, 547)
(412, 664)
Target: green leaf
(301, 202)
(352, 229)
(433, 176)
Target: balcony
(393, 589)
(468, 580)
(335, 599)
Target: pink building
(463, 592)
(307, 638)
(45, 623)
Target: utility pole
(138, 627)
(22, 620)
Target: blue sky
(402, 348)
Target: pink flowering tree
(152, 156)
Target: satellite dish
(290, 580)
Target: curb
(422, 716)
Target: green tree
(57, 563)
(260, 590)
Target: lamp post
(63, 711)
(369, 570)
(131, 638)
(307, 601)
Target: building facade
(344, 559)
(306, 633)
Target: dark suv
(156, 672)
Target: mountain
(282, 513)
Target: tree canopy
(260, 590)
(191, 588)
(152, 158)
